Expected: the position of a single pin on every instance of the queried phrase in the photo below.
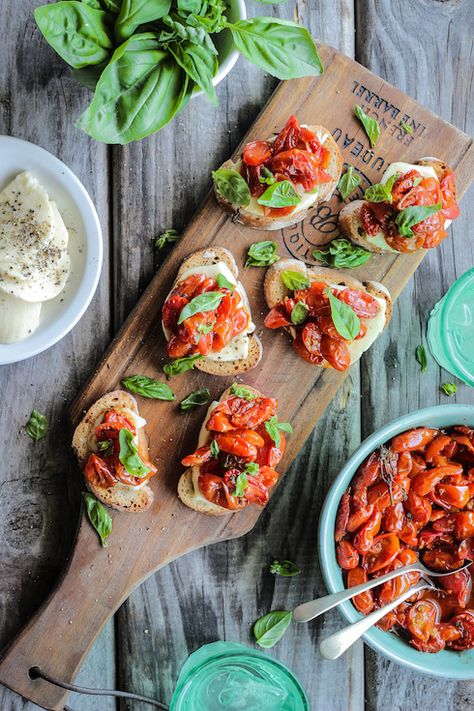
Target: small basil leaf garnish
(411, 216)
(231, 186)
(299, 313)
(281, 194)
(201, 304)
(348, 183)
(242, 391)
(266, 177)
(98, 516)
(252, 468)
(382, 192)
(148, 387)
(270, 628)
(105, 447)
(225, 283)
(195, 399)
(294, 280)
(273, 428)
(286, 569)
(167, 237)
(342, 254)
(181, 365)
(262, 254)
(449, 389)
(345, 319)
(37, 426)
(371, 126)
(420, 355)
(129, 456)
(241, 484)
(214, 448)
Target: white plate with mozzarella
(50, 250)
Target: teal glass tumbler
(229, 676)
(451, 329)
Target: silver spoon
(309, 610)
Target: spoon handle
(309, 610)
(332, 647)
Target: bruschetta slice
(410, 209)
(112, 450)
(207, 313)
(333, 318)
(277, 181)
(239, 445)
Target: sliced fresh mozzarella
(18, 318)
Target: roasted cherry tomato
(464, 623)
(362, 303)
(342, 516)
(365, 601)
(335, 352)
(416, 439)
(257, 152)
(383, 551)
(346, 554)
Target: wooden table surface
(425, 48)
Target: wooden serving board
(96, 580)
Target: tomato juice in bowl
(446, 663)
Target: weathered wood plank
(436, 68)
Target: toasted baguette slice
(253, 216)
(186, 490)
(206, 257)
(275, 291)
(351, 225)
(120, 496)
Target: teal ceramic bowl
(446, 664)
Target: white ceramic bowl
(61, 314)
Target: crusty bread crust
(186, 491)
(205, 257)
(260, 222)
(120, 496)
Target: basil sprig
(241, 484)
(273, 428)
(37, 426)
(262, 254)
(242, 391)
(342, 254)
(209, 301)
(148, 387)
(231, 186)
(129, 456)
(225, 283)
(299, 313)
(270, 628)
(345, 319)
(420, 355)
(294, 280)
(371, 126)
(195, 399)
(281, 194)
(348, 183)
(166, 237)
(286, 569)
(98, 516)
(382, 192)
(181, 365)
(411, 216)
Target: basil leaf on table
(77, 32)
(286, 569)
(411, 216)
(181, 365)
(201, 304)
(348, 183)
(134, 13)
(98, 516)
(299, 313)
(294, 280)
(270, 628)
(129, 456)
(420, 355)
(282, 48)
(382, 192)
(37, 426)
(241, 484)
(242, 391)
(167, 237)
(345, 319)
(281, 194)
(139, 91)
(342, 254)
(371, 126)
(195, 399)
(449, 389)
(231, 186)
(199, 64)
(148, 387)
(262, 254)
(273, 428)
(225, 283)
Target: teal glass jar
(451, 329)
(229, 676)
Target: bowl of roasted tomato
(407, 494)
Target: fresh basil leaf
(231, 186)
(129, 456)
(299, 313)
(342, 254)
(348, 183)
(201, 304)
(294, 280)
(273, 428)
(281, 194)
(262, 254)
(95, 4)
(195, 399)
(214, 448)
(180, 365)
(37, 426)
(417, 181)
(270, 628)
(89, 76)
(411, 216)
(205, 328)
(286, 569)
(282, 48)
(134, 13)
(420, 355)
(345, 319)
(112, 6)
(105, 447)
(242, 391)
(139, 91)
(382, 192)
(98, 516)
(406, 127)
(241, 484)
(80, 34)
(449, 389)
(199, 64)
(224, 283)
(266, 177)
(167, 237)
(179, 30)
(370, 125)
(148, 387)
